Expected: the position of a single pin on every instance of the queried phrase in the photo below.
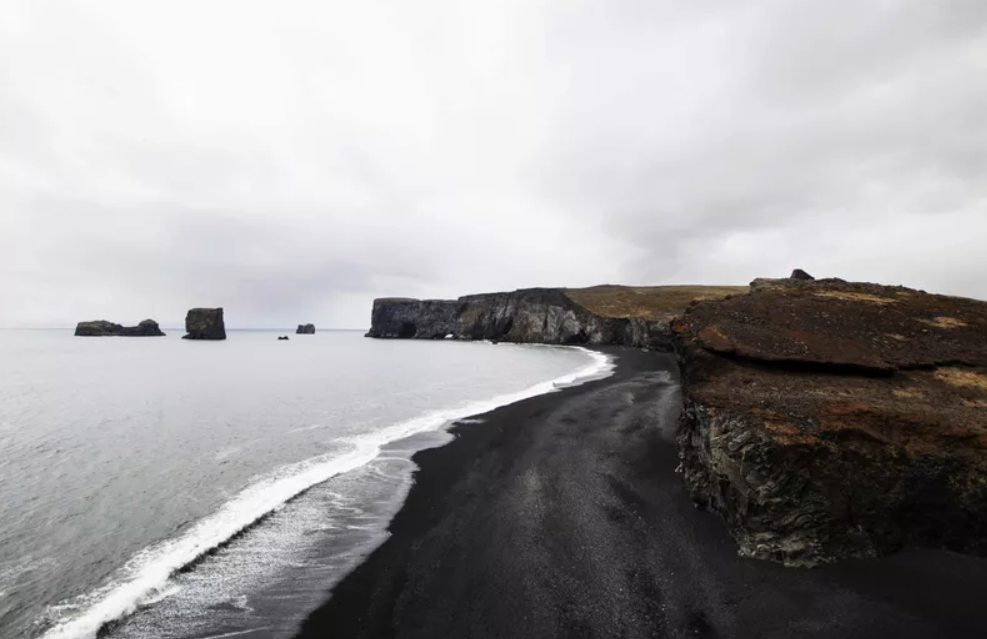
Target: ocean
(162, 488)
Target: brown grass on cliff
(853, 296)
(962, 377)
(945, 322)
(646, 302)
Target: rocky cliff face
(305, 329)
(826, 419)
(102, 328)
(538, 315)
(205, 324)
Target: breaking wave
(144, 579)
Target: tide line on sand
(145, 577)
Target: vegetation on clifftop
(645, 302)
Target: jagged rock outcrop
(205, 324)
(826, 419)
(305, 329)
(103, 328)
(539, 315)
(799, 274)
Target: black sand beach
(562, 516)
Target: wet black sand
(562, 516)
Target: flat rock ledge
(103, 328)
(826, 419)
(205, 324)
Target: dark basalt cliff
(205, 324)
(102, 328)
(538, 315)
(822, 419)
(826, 419)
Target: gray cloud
(293, 162)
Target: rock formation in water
(102, 328)
(826, 419)
(305, 329)
(283, 337)
(205, 324)
(538, 315)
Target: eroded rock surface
(103, 328)
(826, 419)
(205, 324)
(305, 329)
(540, 315)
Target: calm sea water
(196, 489)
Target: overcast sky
(292, 160)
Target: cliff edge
(631, 316)
(827, 419)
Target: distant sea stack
(826, 419)
(102, 328)
(205, 323)
(305, 329)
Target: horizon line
(179, 328)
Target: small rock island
(305, 329)
(103, 328)
(205, 324)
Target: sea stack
(305, 329)
(205, 323)
(103, 328)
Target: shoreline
(562, 515)
(118, 603)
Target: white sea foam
(145, 577)
(163, 593)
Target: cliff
(631, 316)
(822, 419)
(827, 419)
(305, 329)
(103, 328)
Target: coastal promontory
(822, 419)
(205, 324)
(827, 419)
(103, 328)
(630, 316)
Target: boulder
(205, 324)
(826, 419)
(799, 274)
(305, 329)
(282, 337)
(103, 328)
